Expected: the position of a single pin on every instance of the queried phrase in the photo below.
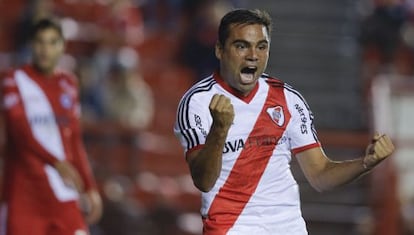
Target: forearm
(81, 161)
(206, 164)
(337, 173)
(84, 169)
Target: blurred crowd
(134, 59)
(387, 39)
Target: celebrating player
(239, 128)
(46, 168)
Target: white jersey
(255, 191)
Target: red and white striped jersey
(42, 117)
(255, 191)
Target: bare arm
(324, 174)
(205, 163)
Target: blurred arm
(93, 199)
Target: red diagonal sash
(248, 169)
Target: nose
(252, 55)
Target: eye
(262, 47)
(240, 46)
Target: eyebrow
(246, 42)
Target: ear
(62, 46)
(218, 50)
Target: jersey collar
(31, 70)
(235, 92)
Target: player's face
(243, 57)
(47, 47)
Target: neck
(235, 90)
(45, 72)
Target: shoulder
(199, 91)
(291, 93)
(278, 83)
(68, 77)
(7, 78)
(273, 81)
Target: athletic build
(239, 128)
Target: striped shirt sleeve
(192, 123)
(301, 129)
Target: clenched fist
(222, 111)
(380, 148)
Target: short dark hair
(44, 24)
(243, 17)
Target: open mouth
(247, 74)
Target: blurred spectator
(197, 48)
(90, 92)
(387, 38)
(382, 29)
(127, 98)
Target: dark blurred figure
(127, 98)
(202, 36)
(164, 14)
(381, 30)
(90, 92)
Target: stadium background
(135, 58)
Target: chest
(264, 117)
(48, 102)
(259, 126)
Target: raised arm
(324, 174)
(205, 162)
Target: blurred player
(45, 165)
(239, 128)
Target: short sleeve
(301, 130)
(192, 123)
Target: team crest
(277, 115)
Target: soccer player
(239, 128)
(45, 164)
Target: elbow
(320, 186)
(320, 189)
(204, 188)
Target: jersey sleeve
(16, 128)
(301, 130)
(192, 124)
(80, 156)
